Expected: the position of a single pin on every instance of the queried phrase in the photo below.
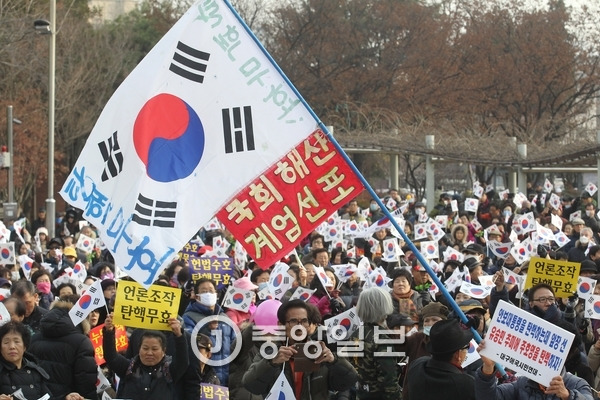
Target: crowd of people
(392, 297)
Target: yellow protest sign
(140, 308)
(561, 275)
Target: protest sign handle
(366, 185)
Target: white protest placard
(526, 344)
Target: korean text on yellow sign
(561, 275)
(140, 308)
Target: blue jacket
(486, 387)
(193, 314)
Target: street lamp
(49, 28)
(9, 163)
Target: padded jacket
(65, 353)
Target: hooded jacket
(66, 353)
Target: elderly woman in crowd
(18, 370)
(406, 300)
(151, 374)
(377, 376)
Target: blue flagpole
(368, 187)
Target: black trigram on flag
(150, 212)
(189, 63)
(113, 158)
(237, 128)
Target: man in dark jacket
(332, 373)
(441, 376)
(26, 292)
(65, 352)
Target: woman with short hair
(18, 369)
(377, 373)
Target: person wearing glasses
(328, 372)
(441, 375)
(542, 303)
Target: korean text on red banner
(121, 341)
(290, 199)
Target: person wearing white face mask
(415, 345)
(579, 252)
(222, 334)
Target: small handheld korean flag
(26, 263)
(344, 271)
(478, 191)
(455, 280)
(527, 223)
(238, 299)
(101, 382)
(19, 225)
(585, 287)
(591, 188)
(377, 277)
(475, 291)
(454, 205)
(592, 307)
(390, 250)
(501, 250)
(90, 300)
(442, 220)
(79, 271)
(554, 201)
(342, 325)
(556, 221)
(435, 230)
(85, 243)
(323, 278)
(390, 204)
(7, 253)
(548, 186)
(561, 239)
(420, 231)
(279, 280)
(281, 390)
(576, 214)
(472, 354)
(476, 225)
(452, 254)
(213, 225)
(518, 199)
(430, 249)
(471, 205)
(4, 315)
(302, 293)
(4, 294)
(511, 278)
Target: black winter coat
(66, 354)
(30, 378)
(139, 382)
